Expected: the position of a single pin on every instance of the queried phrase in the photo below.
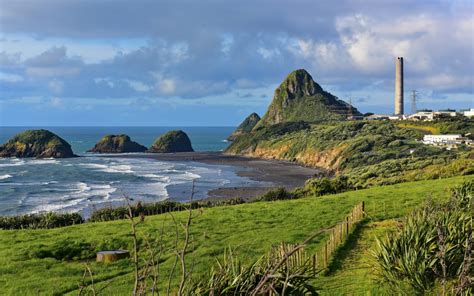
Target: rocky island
(36, 143)
(245, 127)
(172, 141)
(117, 144)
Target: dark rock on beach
(117, 144)
(36, 143)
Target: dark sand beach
(279, 173)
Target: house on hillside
(448, 141)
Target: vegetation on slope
(432, 251)
(117, 144)
(368, 153)
(245, 127)
(300, 98)
(450, 125)
(36, 143)
(172, 141)
(250, 229)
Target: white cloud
(56, 86)
(10, 77)
(167, 86)
(56, 102)
(104, 80)
(52, 71)
(138, 85)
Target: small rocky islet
(117, 144)
(42, 143)
(171, 142)
(36, 143)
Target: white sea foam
(93, 165)
(122, 168)
(191, 175)
(43, 161)
(3, 177)
(12, 162)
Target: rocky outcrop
(117, 144)
(36, 143)
(300, 98)
(172, 141)
(245, 127)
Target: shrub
(230, 277)
(319, 186)
(147, 209)
(36, 221)
(431, 247)
(276, 194)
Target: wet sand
(279, 173)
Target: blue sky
(211, 63)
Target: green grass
(250, 229)
(352, 272)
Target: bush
(432, 247)
(36, 221)
(147, 209)
(230, 277)
(322, 186)
(276, 194)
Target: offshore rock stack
(399, 86)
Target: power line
(413, 101)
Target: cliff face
(36, 143)
(300, 98)
(117, 144)
(245, 127)
(172, 141)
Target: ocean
(94, 181)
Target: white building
(376, 117)
(469, 113)
(422, 115)
(443, 140)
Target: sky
(211, 63)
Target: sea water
(94, 181)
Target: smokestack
(399, 86)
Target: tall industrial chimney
(399, 86)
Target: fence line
(338, 234)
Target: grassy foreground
(51, 261)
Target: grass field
(42, 261)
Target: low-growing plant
(319, 186)
(431, 249)
(276, 194)
(231, 277)
(37, 221)
(147, 209)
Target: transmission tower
(413, 101)
(349, 115)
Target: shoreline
(279, 173)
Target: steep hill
(245, 127)
(300, 98)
